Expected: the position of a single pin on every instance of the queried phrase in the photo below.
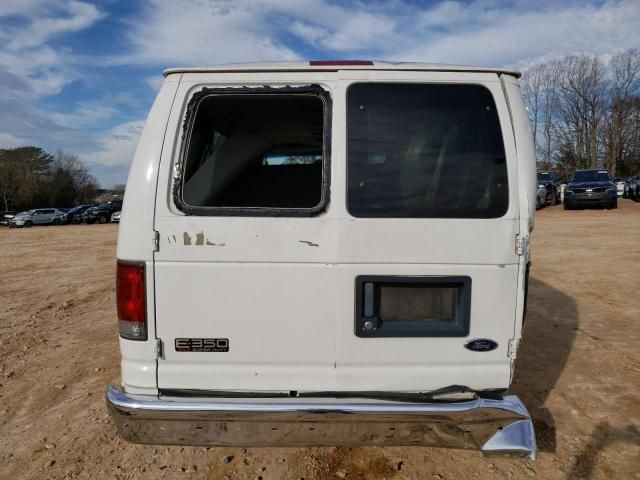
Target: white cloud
(22, 7)
(25, 50)
(487, 32)
(8, 140)
(197, 32)
(31, 69)
(74, 16)
(117, 146)
(86, 114)
(498, 35)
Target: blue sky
(81, 76)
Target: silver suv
(40, 216)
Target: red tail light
(130, 297)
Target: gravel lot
(578, 370)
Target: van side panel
(135, 235)
(527, 179)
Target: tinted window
(591, 176)
(255, 151)
(419, 150)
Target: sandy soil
(578, 370)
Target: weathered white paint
(282, 289)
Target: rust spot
(187, 238)
(215, 244)
(311, 244)
(200, 238)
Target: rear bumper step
(492, 426)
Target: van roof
(333, 65)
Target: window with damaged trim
(255, 151)
(424, 151)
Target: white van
(327, 253)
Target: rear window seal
(192, 108)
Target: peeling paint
(174, 239)
(215, 244)
(200, 238)
(307, 242)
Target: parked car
(6, 216)
(550, 182)
(101, 213)
(265, 312)
(73, 215)
(115, 217)
(628, 192)
(541, 197)
(634, 187)
(591, 187)
(38, 216)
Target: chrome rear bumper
(493, 426)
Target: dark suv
(594, 187)
(632, 186)
(74, 215)
(550, 183)
(101, 213)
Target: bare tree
(532, 90)
(622, 113)
(550, 78)
(81, 184)
(582, 95)
(584, 112)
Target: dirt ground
(578, 369)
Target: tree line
(585, 112)
(32, 178)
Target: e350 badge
(202, 344)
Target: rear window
(256, 152)
(424, 151)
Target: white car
(38, 216)
(327, 253)
(115, 217)
(541, 197)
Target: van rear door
(242, 276)
(340, 231)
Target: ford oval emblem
(481, 345)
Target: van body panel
(360, 321)
(375, 65)
(326, 355)
(282, 289)
(336, 240)
(135, 235)
(527, 178)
